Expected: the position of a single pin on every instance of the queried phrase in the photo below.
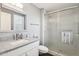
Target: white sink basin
(19, 42)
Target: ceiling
(54, 6)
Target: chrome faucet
(19, 36)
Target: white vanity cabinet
(27, 50)
(33, 52)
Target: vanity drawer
(21, 50)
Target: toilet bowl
(43, 49)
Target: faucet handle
(26, 35)
(17, 36)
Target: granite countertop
(6, 46)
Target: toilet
(43, 49)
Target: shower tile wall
(67, 20)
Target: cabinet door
(33, 52)
(5, 21)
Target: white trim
(62, 9)
(55, 53)
(42, 22)
(13, 8)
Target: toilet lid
(43, 49)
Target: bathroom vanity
(20, 48)
(15, 20)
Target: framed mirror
(12, 21)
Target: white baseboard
(55, 53)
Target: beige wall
(5, 21)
